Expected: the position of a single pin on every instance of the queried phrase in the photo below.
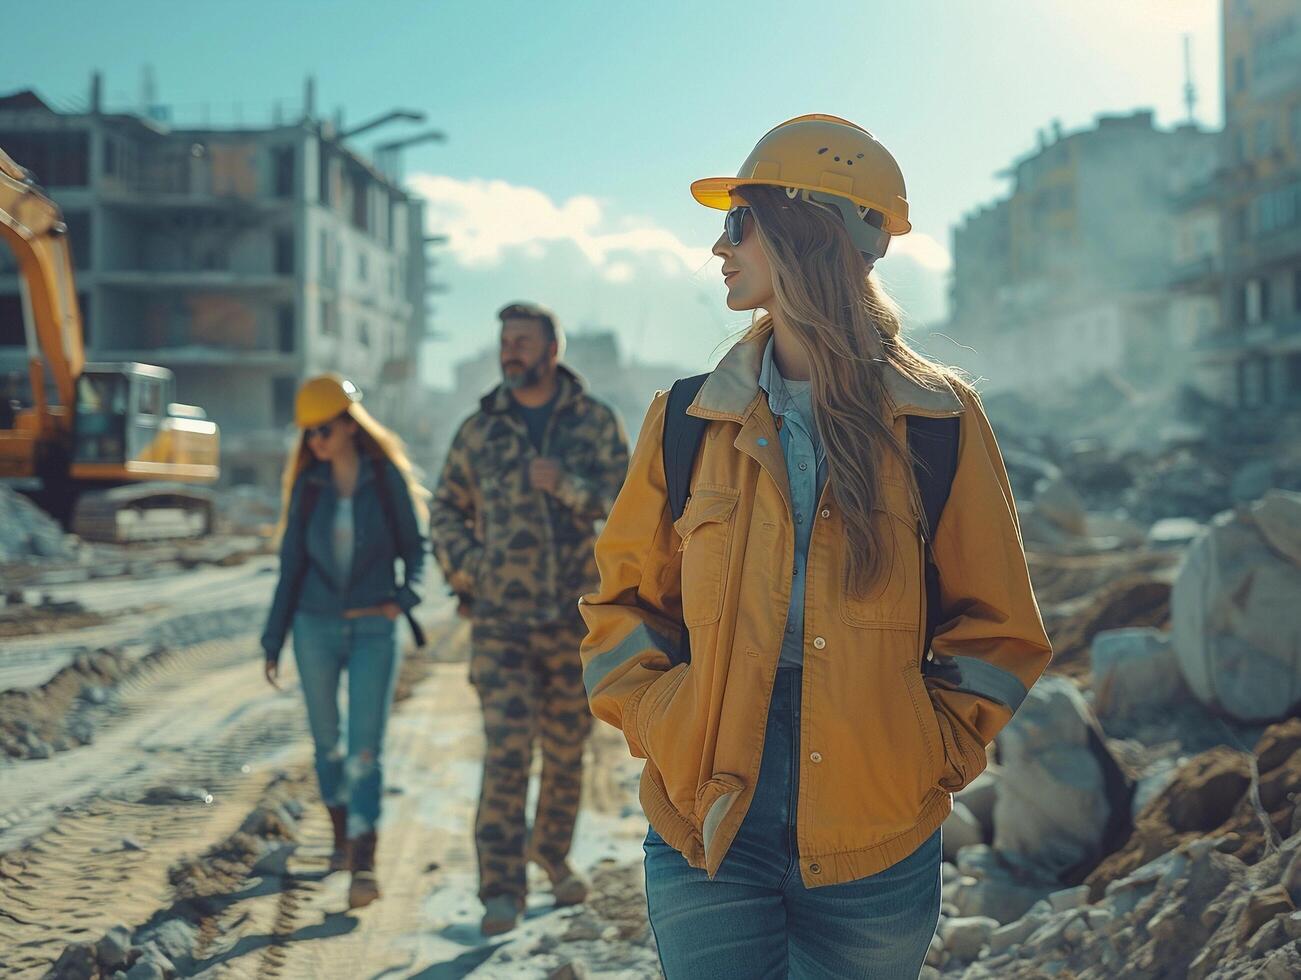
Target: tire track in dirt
(86, 850)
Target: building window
(360, 203)
(1264, 137)
(329, 318)
(1294, 124)
(282, 400)
(1296, 291)
(1257, 301)
(78, 223)
(363, 333)
(110, 157)
(56, 159)
(284, 253)
(1278, 209)
(1239, 73)
(243, 475)
(1294, 375)
(361, 266)
(1253, 382)
(1239, 224)
(285, 328)
(282, 161)
(12, 333)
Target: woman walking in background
(765, 641)
(350, 510)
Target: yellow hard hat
(322, 398)
(823, 157)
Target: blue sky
(575, 127)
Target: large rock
(1134, 671)
(961, 829)
(979, 797)
(1063, 801)
(1235, 618)
(1057, 502)
(963, 938)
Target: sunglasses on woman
(734, 223)
(323, 430)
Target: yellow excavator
(115, 459)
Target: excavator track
(143, 512)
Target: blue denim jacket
(309, 553)
(806, 473)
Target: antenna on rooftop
(1190, 90)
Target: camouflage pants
(530, 684)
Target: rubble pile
(171, 943)
(28, 532)
(1132, 601)
(1207, 885)
(36, 723)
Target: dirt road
(92, 837)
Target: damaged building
(243, 259)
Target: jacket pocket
(654, 703)
(936, 760)
(705, 528)
(894, 600)
(714, 800)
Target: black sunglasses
(734, 223)
(323, 430)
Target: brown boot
(365, 884)
(500, 914)
(339, 822)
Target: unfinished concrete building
(243, 259)
(1249, 352)
(1070, 274)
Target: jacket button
(930, 654)
(819, 643)
(816, 757)
(815, 869)
(826, 513)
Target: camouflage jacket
(523, 555)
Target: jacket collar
(732, 389)
(319, 472)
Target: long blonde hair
(850, 329)
(374, 441)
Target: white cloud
(485, 218)
(922, 249)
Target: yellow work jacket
(882, 746)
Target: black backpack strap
(682, 436)
(391, 522)
(933, 444)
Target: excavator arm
(32, 226)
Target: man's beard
(525, 379)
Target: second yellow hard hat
(322, 398)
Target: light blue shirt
(343, 537)
(806, 473)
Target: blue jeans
(325, 646)
(757, 920)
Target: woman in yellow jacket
(802, 746)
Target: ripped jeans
(324, 647)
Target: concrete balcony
(196, 279)
(1197, 274)
(1279, 336)
(201, 355)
